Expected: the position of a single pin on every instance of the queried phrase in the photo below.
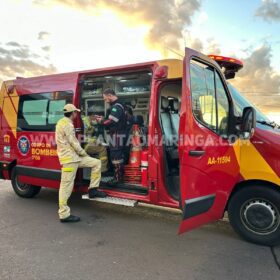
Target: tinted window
(41, 111)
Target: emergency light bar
(229, 65)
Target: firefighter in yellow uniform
(72, 156)
(93, 139)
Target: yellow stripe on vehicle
(175, 67)
(253, 166)
(237, 150)
(10, 106)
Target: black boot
(95, 192)
(70, 219)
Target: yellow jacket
(68, 147)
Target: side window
(35, 112)
(223, 106)
(55, 112)
(203, 94)
(209, 99)
(41, 111)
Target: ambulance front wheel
(21, 189)
(254, 213)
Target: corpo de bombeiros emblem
(23, 145)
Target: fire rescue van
(204, 150)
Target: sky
(40, 37)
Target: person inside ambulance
(71, 157)
(116, 125)
(93, 132)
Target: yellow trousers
(93, 148)
(68, 174)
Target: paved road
(114, 242)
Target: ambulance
(205, 149)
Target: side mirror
(248, 122)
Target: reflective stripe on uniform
(103, 158)
(68, 169)
(62, 202)
(65, 160)
(95, 175)
(113, 118)
(117, 161)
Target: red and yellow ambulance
(205, 150)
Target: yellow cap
(68, 108)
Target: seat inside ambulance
(170, 97)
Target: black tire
(23, 190)
(254, 213)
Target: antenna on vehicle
(177, 53)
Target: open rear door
(208, 161)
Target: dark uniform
(116, 125)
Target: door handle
(196, 153)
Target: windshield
(241, 102)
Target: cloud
(46, 48)
(203, 17)
(206, 46)
(269, 10)
(19, 60)
(43, 35)
(166, 18)
(259, 81)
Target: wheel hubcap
(260, 216)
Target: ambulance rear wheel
(22, 189)
(254, 213)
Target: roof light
(228, 64)
(225, 59)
